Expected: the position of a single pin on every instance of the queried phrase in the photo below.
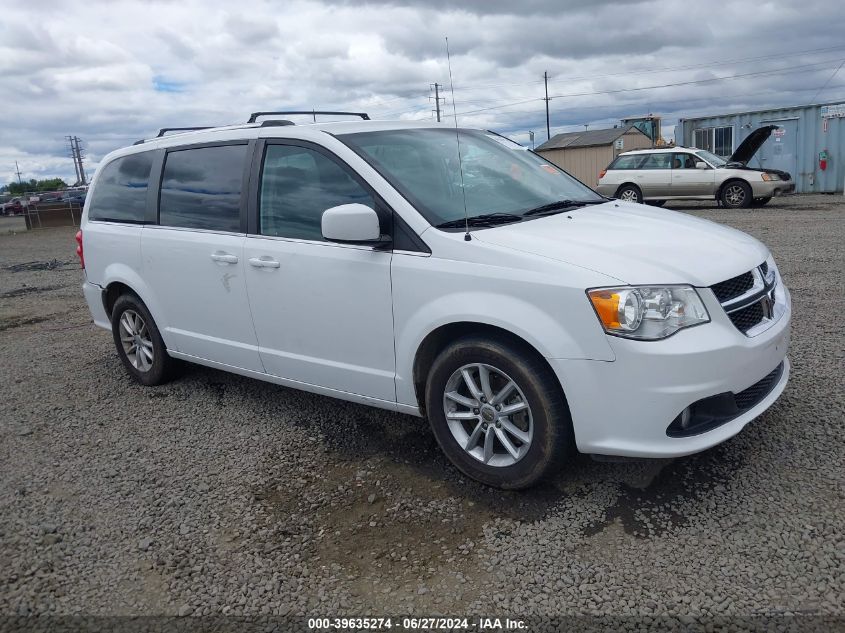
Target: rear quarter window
(626, 162)
(120, 194)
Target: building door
(780, 151)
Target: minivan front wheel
(138, 342)
(630, 193)
(498, 412)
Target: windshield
(499, 176)
(711, 158)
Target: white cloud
(113, 72)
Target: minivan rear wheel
(629, 193)
(139, 343)
(498, 412)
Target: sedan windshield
(498, 176)
(710, 157)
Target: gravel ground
(217, 494)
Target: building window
(723, 141)
(718, 140)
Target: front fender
(573, 334)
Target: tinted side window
(297, 185)
(121, 191)
(626, 162)
(658, 161)
(201, 188)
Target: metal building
(809, 142)
(585, 154)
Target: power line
(647, 71)
(828, 81)
(654, 87)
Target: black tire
(736, 194)
(655, 203)
(161, 369)
(552, 438)
(760, 202)
(630, 193)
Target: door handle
(263, 262)
(225, 258)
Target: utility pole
(437, 98)
(73, 157)
(79, 158)
(18, 172)
(76, 155)
(531, 136)
(548, 128)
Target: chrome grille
(732, 288)
(746, 318)
(748, 299)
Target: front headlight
(647, 313)
(768, 176)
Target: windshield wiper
(485, 219)
(559, 206)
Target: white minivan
(451, 274)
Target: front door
(780, 151)
(323, 311)
(687, 180)
(193, 259)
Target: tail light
(79, 249)
(602, 173)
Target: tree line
(47, 184)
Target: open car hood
(751, 144)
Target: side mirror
(701, 165)
(352, 224)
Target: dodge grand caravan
(472, 283)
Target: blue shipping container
(807, 137)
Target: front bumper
(624, 407)
(771, 188)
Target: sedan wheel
(736, 195)
(629, 193)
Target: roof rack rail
(164, 130)
(254, 116)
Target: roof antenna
(467, 236)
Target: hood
(751, 144)
(636, 244)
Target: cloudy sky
(114, 72)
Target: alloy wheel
(136, 340)
(735, 195)
(488, 414)
(629, 195)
